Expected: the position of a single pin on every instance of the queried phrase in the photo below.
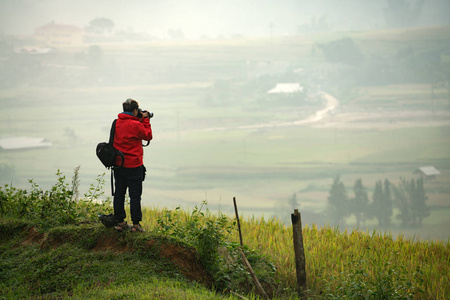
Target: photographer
(132, 127)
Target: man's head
(130, 105)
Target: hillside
(52, 245)
(89, 261)
(66, 259)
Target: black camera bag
(107, 154)
(108, 220)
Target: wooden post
(299, 253)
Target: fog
(266, 101)
(212, 18)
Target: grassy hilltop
(52, 245)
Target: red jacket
(128, 136)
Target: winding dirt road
(331, 104)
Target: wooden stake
(253, 275)
(244, 259)
(237, 219)
(299, 253)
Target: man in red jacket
(132, 127)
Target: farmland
(207, 95)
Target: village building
(427, 172)
(286, 88)
(21, 143)
(32, 50)
(58, 35)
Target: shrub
(59, 206)
(203, 231)
(221, 258)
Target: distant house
(19, 143)
(32, 50)
(57, 35)
(428, 172)
(286, 88)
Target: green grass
(75, 271)
(89, 261)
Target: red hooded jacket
(128, 136)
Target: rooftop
(16, 143)
(286, 88)
(428, 171)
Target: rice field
(338, 260)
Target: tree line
(408, 196)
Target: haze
(266, 101)
(210, 18)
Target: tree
(419, 208)
(377, 203)
(100, 26)
(359, 203)
(401, 201)
(342, 51)
(338, 205)
(382, 203)
(387, 203)
(411, 199)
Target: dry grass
(332, 256)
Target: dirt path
(357, 118)
(331, 104)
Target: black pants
(130, 178)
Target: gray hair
(130, 104)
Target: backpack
(107, 154)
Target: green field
(202, 92)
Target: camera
(140, 111)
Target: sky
(200, 18)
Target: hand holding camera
(144, 114)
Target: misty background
(201, 18)
(283, 104)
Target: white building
(429, 172)
(19, 143)
(286, 88)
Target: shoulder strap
(112, 131)
(112, 182)
(111, 142)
